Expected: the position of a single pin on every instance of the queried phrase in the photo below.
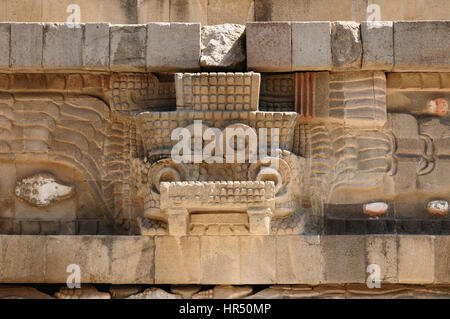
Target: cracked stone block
(346, 46)
(223, 47)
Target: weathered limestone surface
(422, 46)
(5, 29)
(236, 260)
(127, 47)
(221, 11)
(173, 46)
(346, 46)
(415, 259)
(269, 46)
(311, 46)
(26, 45)
(96, 45)
(62, 46)
(378, 45)
(223, 47)
(102, 259)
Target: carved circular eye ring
(269, 171)
(166, 170)
(161, 176)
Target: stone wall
(357, 114)
(210, 12)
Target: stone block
(346, 46)
(87, 227)
(5, 36)
(258, 259)
(132, 259)
(269, 46)
(382, 251)
(223, 47)
(49, 227)
(62, 45)
(299, 260)
(311, 46)
(378, 45)
(344, 260)
(26, 45)
(442, 260)
(173, 46)
(127, 47)
(177, 260)
(220, 260)
(22, 259)
(30, 227)
(422, 46)
(96, 45)
(415, 259)
(90, 253)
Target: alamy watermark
(237, 143)
(74, 279)
(374, 278)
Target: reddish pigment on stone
(375, 209)
(438, 107)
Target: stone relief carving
(42, 190)
(338, 142)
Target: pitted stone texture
(344, 259)
(177, 260)
(378, 45)
(4, 44)
(382, 251)
(173, 46)
(62, 45)
(223, 47)
(269, 46)
(127, 47)
(416, 259)
(311, 46)
(26, 44)
(346, 47)
(96, 45)
(422, 46)
(102, 259)
(299, 260)
(442, 259)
